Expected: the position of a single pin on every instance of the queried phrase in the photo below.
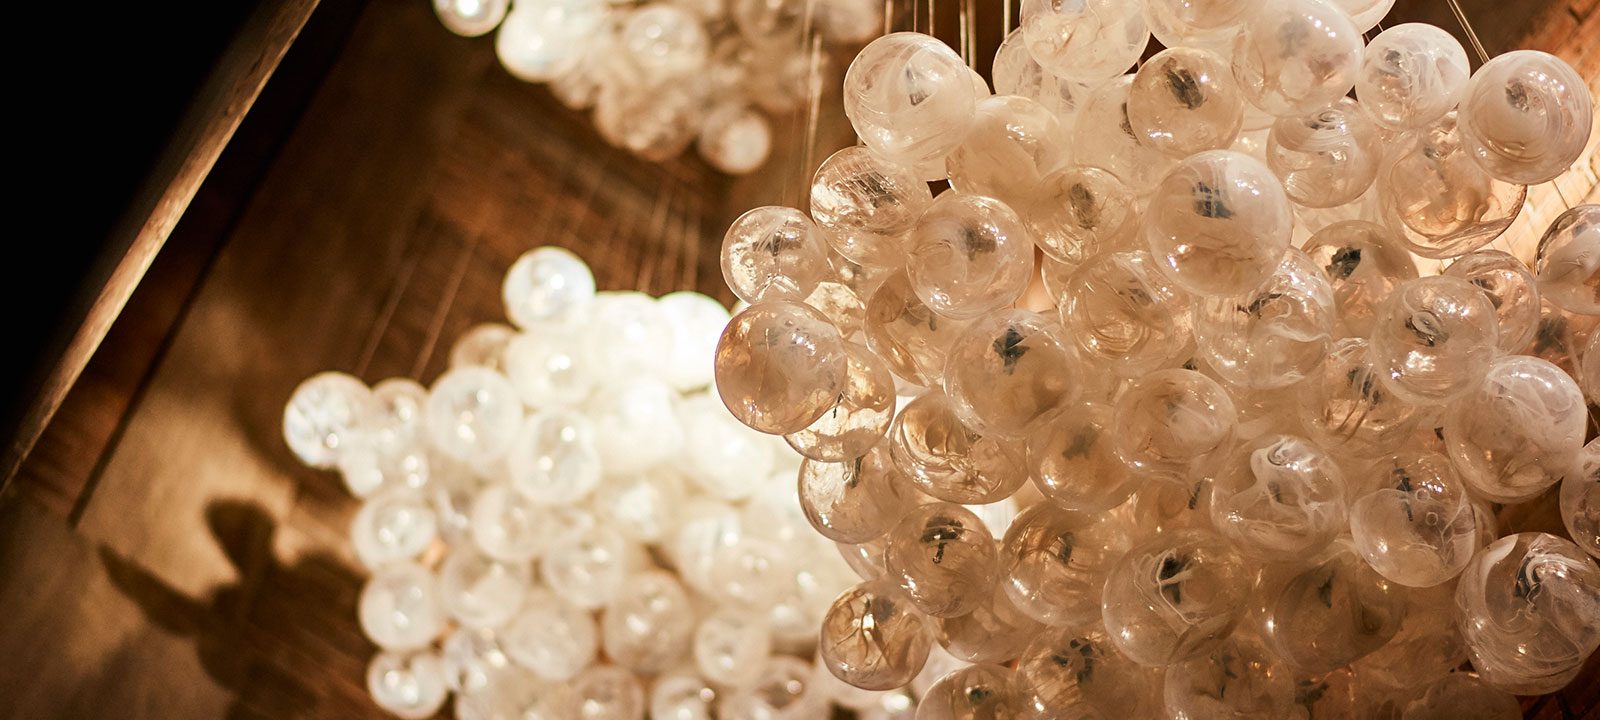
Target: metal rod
(1466, 25)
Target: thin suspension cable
(1005, 20)
(1466, 25)
(972, 32)
(963, 35)
(813, 113)
(888, 16)
(933, 24)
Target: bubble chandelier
(1245, 349)
(662, 75)
(568, 525)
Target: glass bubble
(1462, 696)
(626, 334)
(855, 500)
(1427, 646)
(478, 591)
(1079, 212)
(470, 18)
(509, 527)
(324, 415)
(1517, 432)
(1364, 263)
(1055, 562)
(1439, 202)
(969, 255)
(1334, 613)
(1071, 672)
(784, 691)
(553, 459)
(587, 568)
(634, 424)
(1211, 24)
(542, 39)
(1411, 519)
(642, 506)
(1174, 597)
(1279, 497)
(909, 96)
(1326, 158)
(1085, 41)
(865, 559)
(779, 366)
(1273, 336)
(551, 637)
(1525, 117)
(473, 414)
(773, 253)
(720, 456)
(1168, 420)
(655, 122)
(1433, 339)
(1184, 100)
(849, 21)
(1218, 224)
(394, 525)
(475, 663)
(549, 366)
(1073, 461)
(1411, 75)
(608, 692)
(735, 139)
(873, 637)
(1530, 612)
(752, 571)
(1015, 72)
(484, 345)
(1122, 312)
(978, 692)
(547, 284)
(907, 334)
(860, 414)
(1010, 145)
(949, 460)
(399, 607)
(1580, 499)
(1103, 137)
(650, 624)
(1568, 261)
(944, 558)
(731, 647)
(1347, 407)
(866, 205)
(994, 632)
(664, 41)
(1296, 56)
(409, 686)
(682, 695)
(1239, 679)
(1007, 369)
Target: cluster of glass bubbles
(665, 74)
(1254, 458)
(568, 525)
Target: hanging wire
(1466, 25)
(933, 24)
(963, 34)
(813, 112)
(1005, 20)
(888, 16)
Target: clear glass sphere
(394, 525)
(1219, 223)
(1168, 420)
(969, 255)
(1184, 100)
(1103, 136)
(1349, 410)
(696, 321)
(409, 686)
(399, 607)
(1008, 368)
(720, 456)
(1332, 613)
(1240, 679)
(1296, 56)
(866, 204)
(977, 692)
(1055, 562)
(994, 632)
(909, 96)
(1518, 431)
(779, 366)
(1434, 338)
(1511, 288)
(785, 690)
(855, 500)
(1015, 72)
(907, 334)
(1462, 696)
(949, 460)
(1437, 199)
(664, 41)
(1122, 312)
(1010, 145)
(944, 557)
(1175, 597)
(1273, 336)
(1526, 116)
(482, 346)
(773, 253)
(1326, 158)
(587, 568)
(1073, 461)
(1568, 261)
(1279, 497)
(1411, 519)
(860, 415)
(682, 695)
(1186, 23)
(1078, 212)
(325, 414)
(1411, 75)
(1530, 612)
(551, 637)
(735, 139)
(478, 591)
(873, 637)
(1073, 671)
(1085, 41)
(634, 426)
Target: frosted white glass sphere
(634, 425)
(625, 335)
(553, 460)
(731, 647)
(471, 18)
(395, 525)
(399, 607)
(409, 686)
(324, 415)
(553, 638)
(548, 284)
(735, 139)
(541, 39)
(507, 526)
(587, 568)
(665, 41)
(908, 96)
(696, 321)
(478, 591)
(473, 414)
(549, 365)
